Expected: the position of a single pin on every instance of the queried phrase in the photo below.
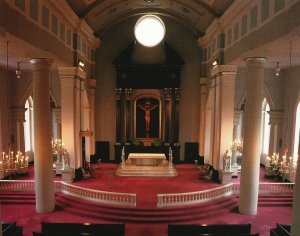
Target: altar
(147, 165)
(147, 159)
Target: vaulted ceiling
(194, 14)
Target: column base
(225, 176)
(68, 175)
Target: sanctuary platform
(148, 165)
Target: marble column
(236, 125)
(18, 119)
(57, 115)
(167, 94)
(43, 161)
(223, 108)
(92, 88)
(296, 204)
(177, 93)
(203, 100)
(249, 183)
(128, 95)
(72, 86)
(118, 93)
(275, 131)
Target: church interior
(154, 117)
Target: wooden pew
(215, 229)
(281, 230)
(76, 229)
(11, 229)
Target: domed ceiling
(194, 14)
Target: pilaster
(71, 80)
(223, 79)
(203, 100)
(18, 119)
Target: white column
(296, 204)
(203, 100)
(252, 136)
(276, 118)
(71, 112)
(18, 119)
(57, 114)
(236, 125)
(43, 161)
(224, 81)
(92, 87)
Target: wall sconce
(277, 69)
(18, 71)
(81, 64)
(215, 63)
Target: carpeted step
(175, 214)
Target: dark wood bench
(281, 230)
(11, 229)
(76, 229)
(215, 229)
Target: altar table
(146, 159)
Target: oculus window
(149, 30)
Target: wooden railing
(112, 198)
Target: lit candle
(3, 155)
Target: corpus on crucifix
(147, 108)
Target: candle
(26, 161)
(3, 155)
(170, 150)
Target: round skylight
(149, 30)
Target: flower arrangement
(236, 146)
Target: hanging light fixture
(277, 69)
(18, 71)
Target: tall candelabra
(13, 163)
(278, 165)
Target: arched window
(28, 126)
(265, 127)
(297, 132)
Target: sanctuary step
(163, 170)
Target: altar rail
(183, 199)
(112, 198)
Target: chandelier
(13, 163)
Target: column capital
(167, 93)
(276, 117)
(220, 70)
(92, 83)
(255, 61)
(18, 114)
(71, 72)
(203, 81)
(128, 93)
(41, 61)
(57, 113)
(236, 117)
(118, 93)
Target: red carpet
(146, 219)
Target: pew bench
(76, 229)
(11, 229)
(215, 229)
